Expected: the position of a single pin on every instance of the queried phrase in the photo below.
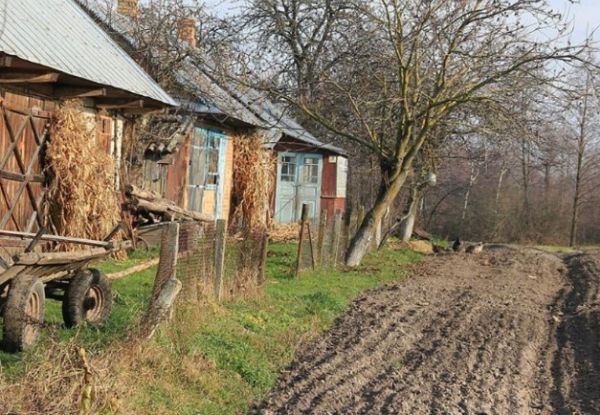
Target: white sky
(584, 13)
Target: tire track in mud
(507, 332)
(575, 365)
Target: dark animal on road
(458, 246)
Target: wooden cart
(28, 278)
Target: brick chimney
(128, 8)
(186, 30)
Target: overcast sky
(585, 14)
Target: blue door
(207, 171)
(298, 183)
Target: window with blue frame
(288, 168)
(212, 150)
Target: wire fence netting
(239, 273)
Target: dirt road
(506, 332)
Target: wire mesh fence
(212, 265)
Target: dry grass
(54, 382)
(284, 232)
(422, 247)
(253, 182)
(82, 201)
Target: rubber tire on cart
(88, 298)
(23, 313)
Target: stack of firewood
(149, 207)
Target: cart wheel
(23, 313)
(87, 298)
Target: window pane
(213, 161)
(212, 179)
(288, 169)
(310, 173)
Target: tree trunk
(581, 147)
(497, 202)
(525, 155)
(408, 224)
(366, 232)
(472, 179)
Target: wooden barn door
(23, 134)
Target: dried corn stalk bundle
(82, 201)
(253, 181)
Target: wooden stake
(264, 247)
(321, 239)
(337, 230)
(310, 244)
(220, 237)
(347, 226)
(166, 284)
(303, 222)
(360, 216)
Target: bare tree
(413, 63)
(585, 119)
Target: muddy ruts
(505, 333)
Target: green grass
(558, 249)
(131, 296)
(249, 342)
(218, 359)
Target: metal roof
(208, 97)
(217, 97)
(278, 121)
(58, 34)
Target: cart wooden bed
(29, 277)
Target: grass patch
(131, 296)
(558, 249)
(247, 343)
(214, 358)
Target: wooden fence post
(320, 258)
(264, 247)
(360, 216)
(166, 284)
(337, 230)
(303, 222)
(220, 238)
(347, 226)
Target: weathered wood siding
(23, 120)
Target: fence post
(347, 226)
(169, 249)
(264, 247)
(303, 220)
(337, 230)
(321, 238)
(166, 284)
(220, 237)
(360, 216)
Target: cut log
(152, 202)
(160, 308)
(137, 268)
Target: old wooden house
(189, 156)
(308, 171)
(51, 51)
